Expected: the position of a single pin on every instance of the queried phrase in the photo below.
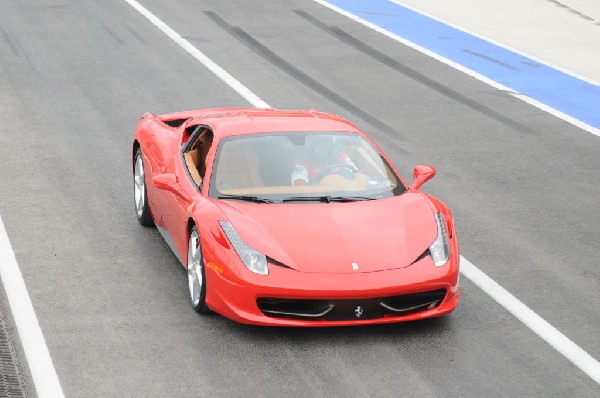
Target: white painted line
(533, 321)
(38, 358)
(529, 100)
(551, 335)
(203, 59)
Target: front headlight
(255, 261)
(440, 249)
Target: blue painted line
(559, 90)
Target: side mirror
(422, 173)
(166, 181)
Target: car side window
(195, 157)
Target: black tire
(195, 269)
(142, 210)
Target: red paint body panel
(377, 235)
(317, 241)
(238, 301)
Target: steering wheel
(327, 169)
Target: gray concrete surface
(564, 33)
(111, 298)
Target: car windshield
(301, 167)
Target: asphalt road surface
(110, 297)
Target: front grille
(350, 309)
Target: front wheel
(140, 195)
(196, 278)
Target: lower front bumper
(239, 302)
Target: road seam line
(540, 105)
(526, 315)
(32, 340)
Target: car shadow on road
(404, 330)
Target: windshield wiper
(247, 198)
(349, 198)
(326, 199)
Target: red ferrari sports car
(293, 218)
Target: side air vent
(277, 263)
(174, 122)
(422, 256)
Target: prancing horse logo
(358, 311)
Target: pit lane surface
(110, 297)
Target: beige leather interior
(191, 160)
(238, 169)
(195, 159)
(203, 145)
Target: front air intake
(408, 303)
(351, 309)
(286, 308)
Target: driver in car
(322, 159)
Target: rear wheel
(196, 279)
(140, 195)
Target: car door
(177, 204)
(179, 201)
(155, 148)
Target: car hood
(329, 237)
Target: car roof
(238, 121)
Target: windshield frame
(398, 190)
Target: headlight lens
(440, 249)
(255, 261)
